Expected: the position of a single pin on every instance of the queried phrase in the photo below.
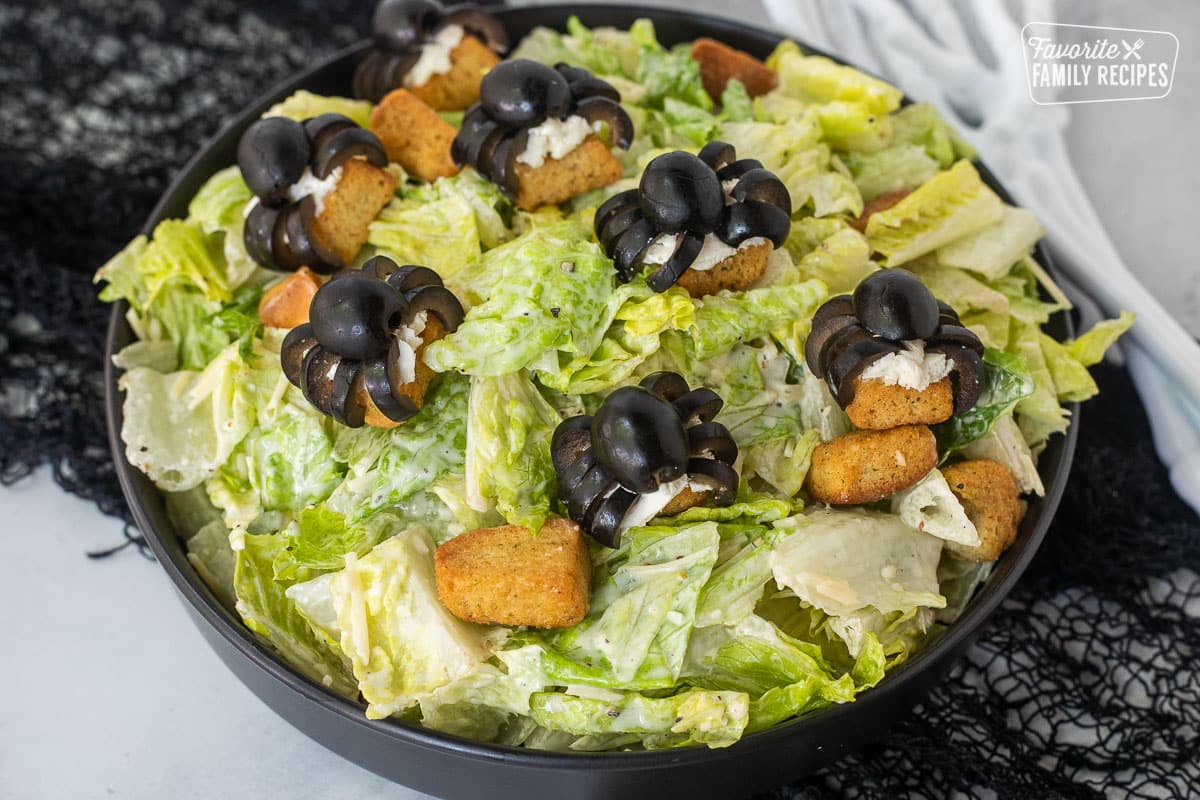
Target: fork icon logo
(1132, 49)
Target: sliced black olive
(584, 84)
(475, 127)
(570, 478)
(323, 126)
(718, 155)
(486, 154)
(572, 436)
(344, 403)
(712, 440)
(629, 246)
(355, 314)
(393, 69)
(316, 378)
(616, 224)
(618, 202)
(257, 232)
(763, 186)
(295, 347)
(608, 111)
(480, 24)
(639, 439)
(721, 480)
(947, 315)
(679, 191)
(272, 155)
(604, 524)
(738, 168)
(572, 73)
(958, 335)
(664, 277)
(522, 93)
(344, 145)
(437, 300)
(670, 386)
(751, 219)
(834, 314)
(699, 405)
(291, 245)
(967, 374)
(846, 355)
(894, 304)
(503, 162)
(363, 84)
(374, 377)
(837, 306)
(403, 24)
(588, 492)
(318, 257)
(410, 276)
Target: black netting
(1083, 684)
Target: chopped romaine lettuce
(304, 105)
(1007, 382)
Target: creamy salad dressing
(554, 138)
(318, 189)
(409, 339)
(911, 368)
(712, 252)
(435, 56)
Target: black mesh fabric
(1083, 684)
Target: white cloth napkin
(967, 58)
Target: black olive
(604, 523)
(670, 386)
(354, 315)
(272, 155)
(295, 347)
(257, 232)
(681, 260)
(606, 110)
(763, 186)
(476, 125)
(678, 191)
(589, 492)
(738, 168)
(316, 377)
(721, 477)
(437, 300)
(291, 246)
(572, 436)
(403, 24)
(617, 203)
(958, 335)
(401, 278)
(752, 219)
(947, 315)
(968, 374)
(502, 164)
(894, 304)
(712, 440)
(344, 404)
(639, 439)
(323, 126)
(833, 315)
(718, 155)
(584, 84)
(363, 84)
(522, 93)
(375, 381)
(846, 355)
(486, 154)
(616, 224)
(570, 477)
(630, 246)
(344, 145)
(481, 25)
(699, 405)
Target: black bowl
(459, 768)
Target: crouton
(878, 406)
(589, 166)
(735, 273)
(414, 135)
(720, 62)
(363, 190)
(414, 390)
(867, 466)
(992, 500)
(688, 498)
(285, 305)
(510, 576)
(457, 89)
(881, 203)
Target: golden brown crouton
(414, 390)
(510, 576)
(457, 89)
(878, 406)
(720, 62)
(363, 190)
(414, 135)
(867, 466)
(285, 305)
(735, 273)
(688, 498)
(991, 498)
(881, 203)
(589, 166)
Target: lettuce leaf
(723, 321)
(742, 570)
(304, 104)
(900, 166)
(481, 703)
(817, 79)
(220, 201)
(1007, 382)
(434, 225)
(208, 551)
(993, 250)
(921, 124)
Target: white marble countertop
(108, 691)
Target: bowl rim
(205, 605)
